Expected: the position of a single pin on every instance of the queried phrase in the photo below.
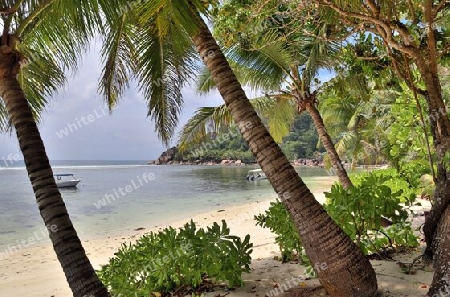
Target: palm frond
(205, 82)
(5, 124)
(320, 54)
(258, 69)
(40, 80)
(118, 50)
(279, 110)
(167, 61)
(196, 129)
(282, 117)
(265, 69)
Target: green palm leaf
(158, 37)
(282, 114)
(118, 49)
(196, 130)
(265, 69)
(279, 110)
(47, 50)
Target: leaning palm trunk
(78, 270)
(329, 146)
(348, 273)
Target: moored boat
(255, 174)
(66, 180)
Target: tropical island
(300, 146)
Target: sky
(94, 134)
(77, 125)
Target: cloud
(126, 134)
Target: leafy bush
(411, 171)
(392, 179)
(358, 211)
(167, 260)
(278, 220)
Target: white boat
(255, 174)
(66, 180)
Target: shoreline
(35, 271)
(22, 274)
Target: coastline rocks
(166, 157)
(161, 161)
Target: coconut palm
(359, 118)
(275, 64)
(144, 37)
(40, 41)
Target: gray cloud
(126, 134)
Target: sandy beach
(35, 271)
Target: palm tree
(40, 41)
(272, 65)
(144, 37)
(358, 117)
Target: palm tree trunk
(78, 270)
(329, 146)
(340, 265)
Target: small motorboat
(66, 180)
(255, 174)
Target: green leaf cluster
(278, 220)
(171, 259)
(358, 211)
(406, 180)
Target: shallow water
(120, 196)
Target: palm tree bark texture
(309, 105)
(78, 270)
(348, 272)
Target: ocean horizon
(118, 196)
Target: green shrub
(412, 170)
(278, 220)
(171, 259)
(358, 211)
(392, 179)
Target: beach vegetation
(357, 211)
(277, 220)
(189, 260)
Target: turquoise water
(114, 197)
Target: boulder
(167, 156)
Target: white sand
(35, 271)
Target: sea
(116, 197)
